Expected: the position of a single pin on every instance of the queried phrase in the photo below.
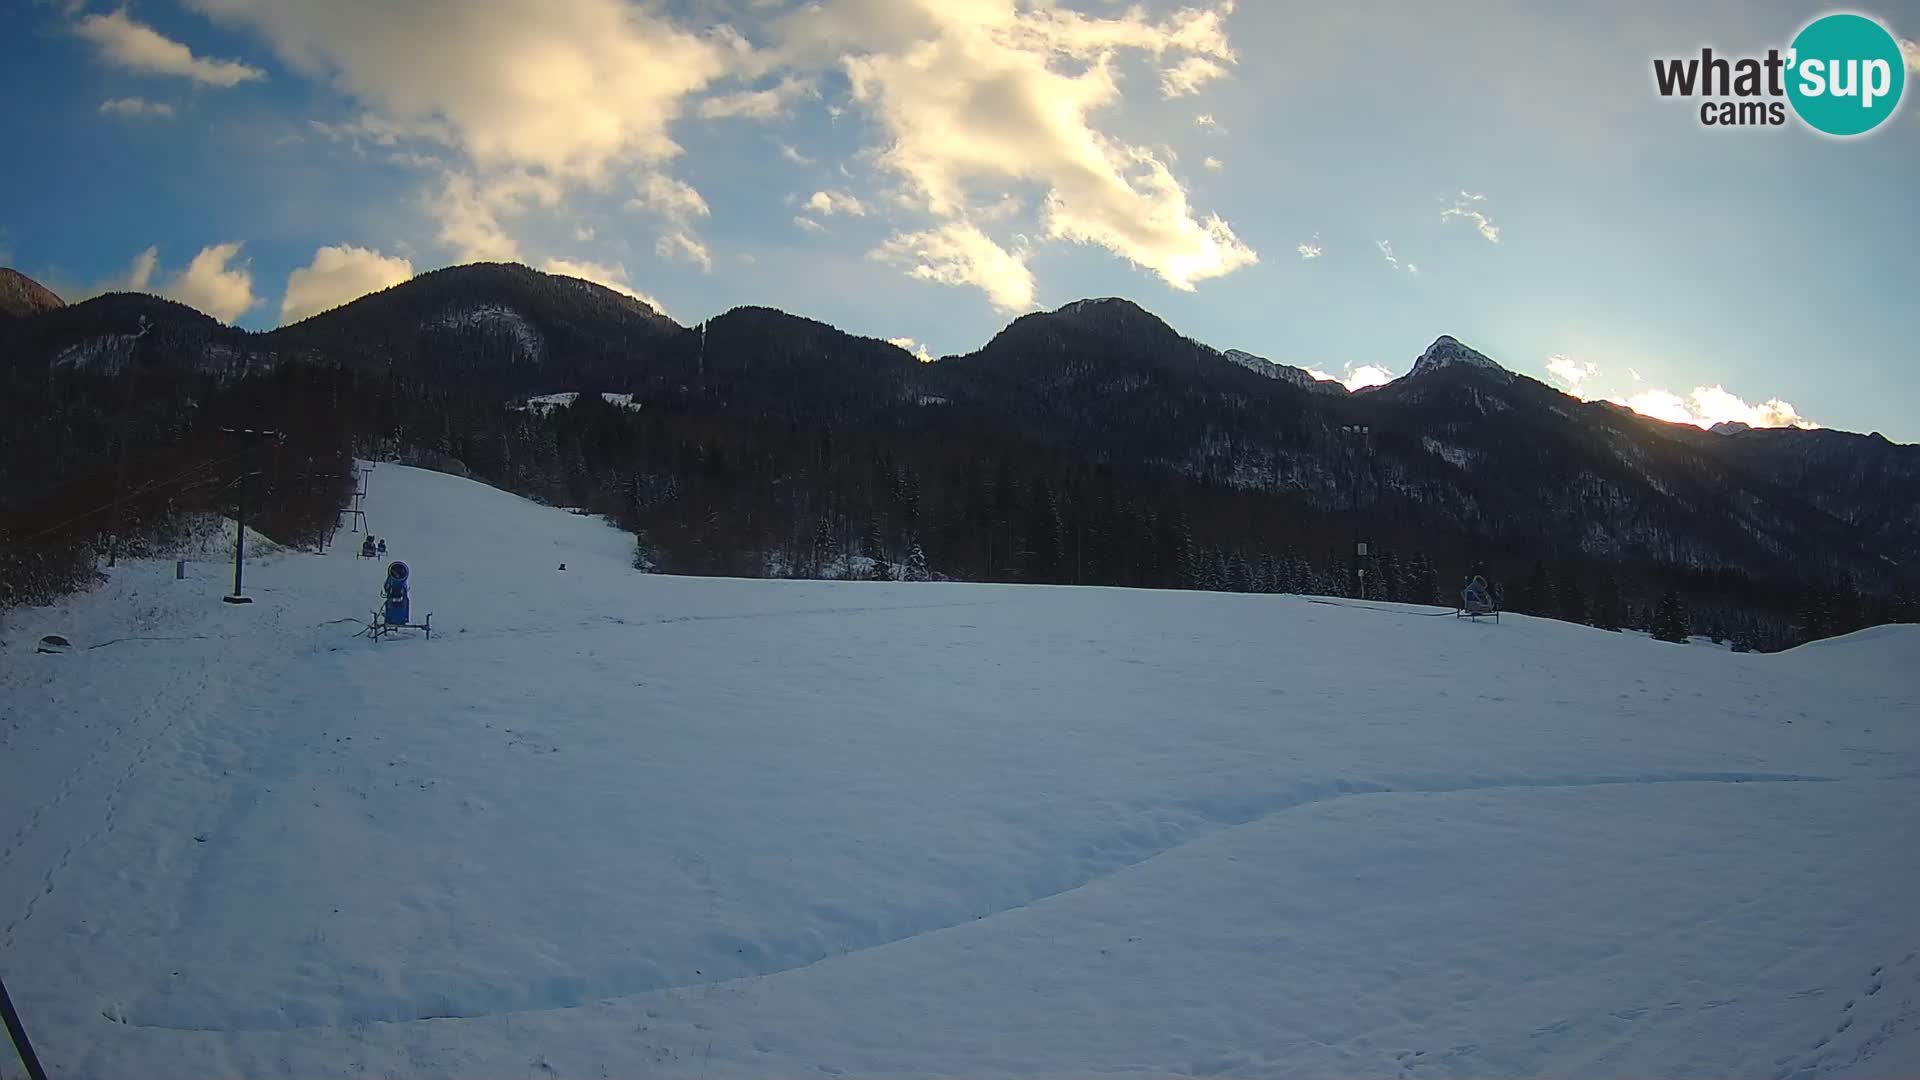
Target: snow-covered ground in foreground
(613, 824)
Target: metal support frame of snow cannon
(1478, 613)
(378, 628)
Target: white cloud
(338, 275)
(1910, 49)
(138, 47)
(919, 351)
(991, 93)
(139, 275)
(1206, 120)
(609, 275)
(471, 211)
(209, 283)
(570, 87)
(809, 225)
(681, 244)
(133, 106)
(560, 93)
(1394, 262)
(1368, 375)
(1710, 405)
(380, 131)
(1189, 76)
(677, 203)
(1704, 407)
(1311, 249)
(673, 199)
(767, 104)
(792, 154)
(829, 203)
(1214, 163)
(1466, 209)
(1570, 373)
(1357, 378)
(958, 253)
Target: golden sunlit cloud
(609, 275)
(960, 254)
(989, 94)
(339, 275)
(138, 47)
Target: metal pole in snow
(239, 546)
(18, 1032)
(240, 537)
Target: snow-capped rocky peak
(1447, 352)
(1297, 376)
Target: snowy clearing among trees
(609, 823)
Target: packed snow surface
(614, 824)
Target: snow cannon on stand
(396, 606)
(395, 592)
(1476, 600)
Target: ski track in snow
(789, 821)
(1335, 790)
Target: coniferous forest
(1093, 445)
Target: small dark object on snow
(54, 643)
(563, 566)
(367, 550)
(381, 547)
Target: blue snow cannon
(395, 591)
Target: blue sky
(928, 170)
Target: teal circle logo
(1845, 74)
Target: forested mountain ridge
(1091, 444)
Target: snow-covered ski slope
(613, 824)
